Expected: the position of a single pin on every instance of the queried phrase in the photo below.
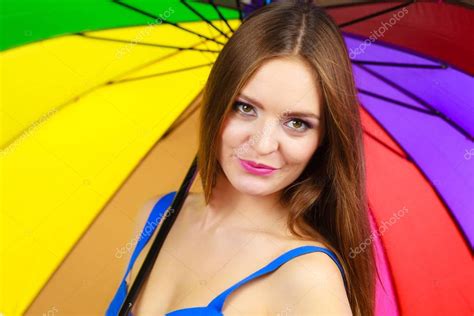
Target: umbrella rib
(221, 16)
(375, 14)
(381, 142)
(164, 21)
(90, 90)
(426, 178)
(156, 61)
(467, 4)
(145, 44)
(159, 74)
(182, 118)
(401, 65)
(419, 100)
(239, 8)
(388, 265)
(400, 103)
(187, 5)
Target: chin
(253, 190)
(251, 185)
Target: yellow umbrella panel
(79, 113)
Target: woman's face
(264, 127)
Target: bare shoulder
(144, 211)
(316, 282)
(194, 204)
(192, 201)
(194, 198)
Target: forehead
(284, 84)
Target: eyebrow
(287, 113)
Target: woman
(282, 169)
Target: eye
(300, 126)
(300, 123)
(246, 108)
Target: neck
(229, 208)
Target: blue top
(214, 308)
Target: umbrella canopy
(114, 122)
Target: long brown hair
(328, 202)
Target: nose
(265, 141)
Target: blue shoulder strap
(152, 222)
(218, 302)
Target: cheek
(299, 151)
(234, 134)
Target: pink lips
(256, 169)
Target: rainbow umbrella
(116, 89)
